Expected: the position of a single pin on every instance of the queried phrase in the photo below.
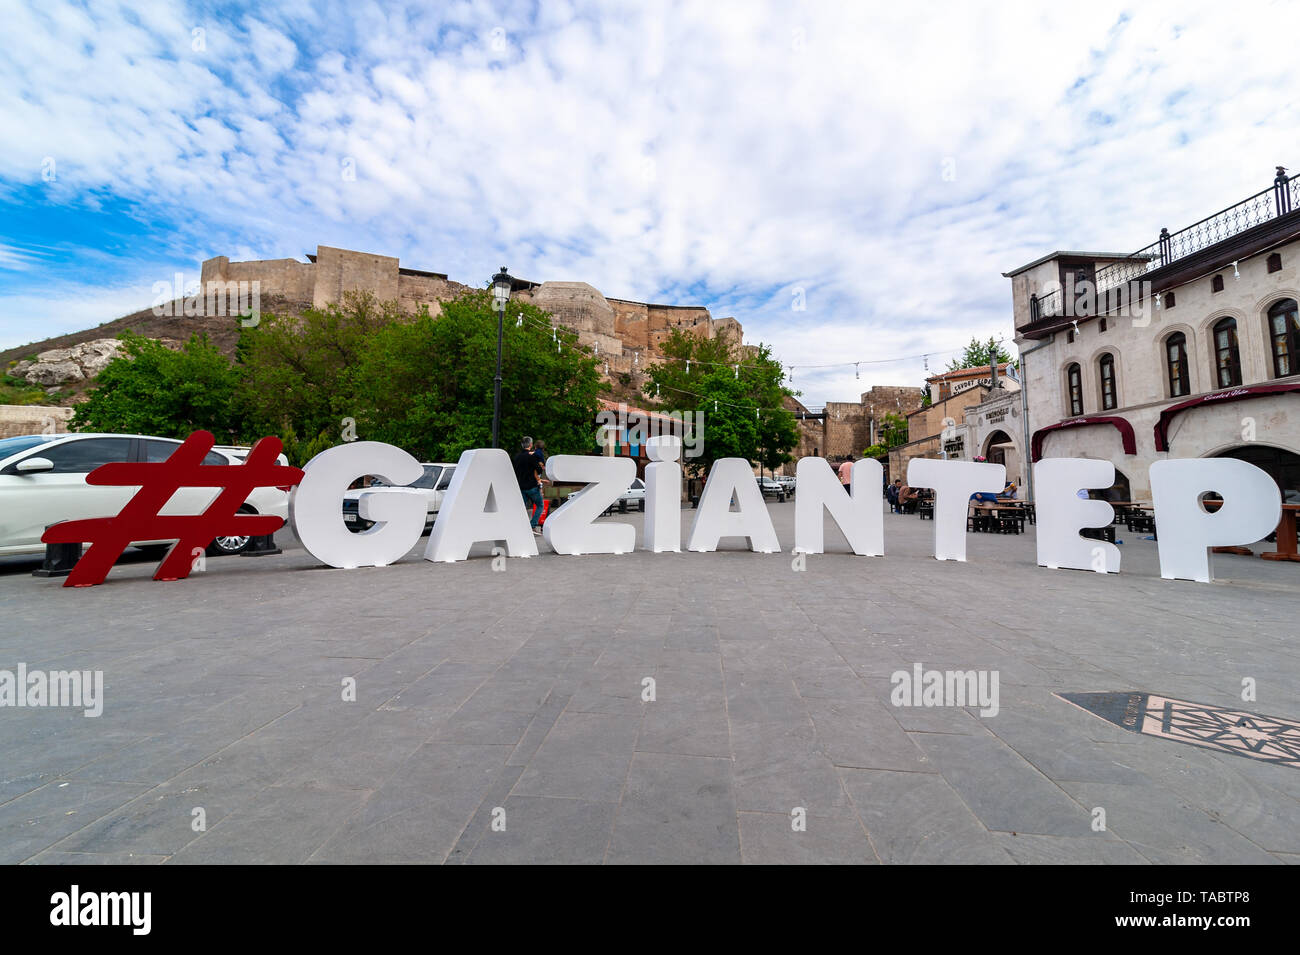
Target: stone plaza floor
(515, 698)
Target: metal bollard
(263, 546)
(59, 559)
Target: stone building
(33, 419)
(624, 334)
(966, 419)
(849, 427)
(326, 276)
(1188, 348)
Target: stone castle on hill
(626, 335)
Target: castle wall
(340, 270)
(289, 278)
(414, 291)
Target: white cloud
(737, 147)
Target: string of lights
(736, 366)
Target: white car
(633, 497)
(238, 453)
(771, 487)
(43, 481)
(434, 484)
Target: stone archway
(1283, 466)
(996, 446)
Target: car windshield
(21, 443)
(428, 479)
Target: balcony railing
(1112, 280)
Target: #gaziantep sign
(483, 503)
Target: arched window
(1176, 365)
(1227, 356)
(1109, 393)
(1284, 330)
(1074, 380)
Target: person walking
(846, 471)
(527, 467)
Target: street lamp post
(500, 296)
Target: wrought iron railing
(1112, 281)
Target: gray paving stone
(780, 766)
(918, 818)
(677, 808)
(585, 756)
(282, 825)
(1096, 849)
(544, 831)
(864, 735)
(55, 857)
(772, 682)
(769, 838)
(1002, 789)
(1165, 828)
(39, 819)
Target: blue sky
(890, 161)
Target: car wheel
(225, 546)
(641, 505)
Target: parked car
(238, 454)
(771, 488)
(434, 484)
(43, 481)
(633, 497)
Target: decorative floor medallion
(1266, 738)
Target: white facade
(1254, 271)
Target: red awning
(1218, 397)
(1120, 424)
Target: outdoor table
(989, 514)
(1213, 506)
(1286, 539)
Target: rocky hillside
(68, 363)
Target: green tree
(892, 432)
(151, 389)
(426, 385)
(738, 394)
(299, 371)
(978, 354)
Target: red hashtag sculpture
(140, 520)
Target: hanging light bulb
(597, 348)
(519, 320)
(737, 369)
(688, 366)
(755, 414)
(656, 390)
(1157, 299)
(607, 368)
(635, 356)
(857, 369)
(715, 405)
(926, 360)
(1235, 274)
